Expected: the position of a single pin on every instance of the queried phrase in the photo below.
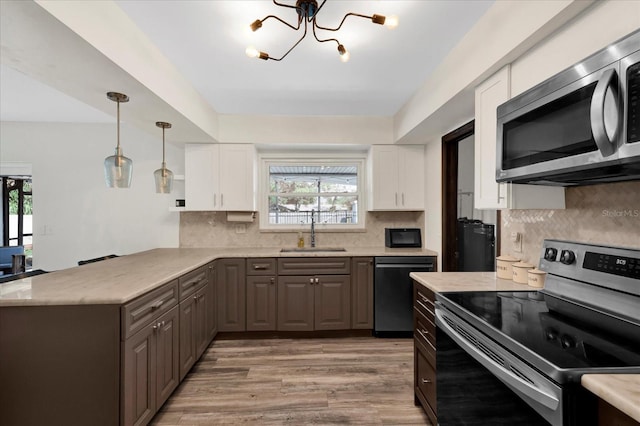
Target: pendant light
(163, 176)
(118, 168)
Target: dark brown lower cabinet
(332, 302)
(194, 330)
(212, 308)
(425, 383)
(307, 303)
(231, 294)
(261, 303)
(151, 368)
(362, 293)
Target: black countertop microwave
(402, 237)
(579, 127)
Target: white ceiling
(205, 40)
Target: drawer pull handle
(425, 381)
(425, 332)
(157, 305)
(272, 280)
(260, 267)
(424, 299)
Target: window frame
(326, 158)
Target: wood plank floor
(354, 380)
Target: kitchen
(99, 221)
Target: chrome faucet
(313, 229)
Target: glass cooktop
(565, 334)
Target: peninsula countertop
(121, 279)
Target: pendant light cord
(163, 163)
(118, 131)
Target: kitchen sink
(311, 249)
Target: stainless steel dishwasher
(393, 293)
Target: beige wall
(211, 229)
(606, 214)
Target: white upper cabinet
(396, 177)
(220, 177)
(488, 193)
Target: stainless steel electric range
(517, 357)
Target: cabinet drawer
(424, 301)
(425, 330)
(261, 266)
(314, 266)
(140, 312)
(426, 379)
(190, 282)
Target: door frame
(450, 196)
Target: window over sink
(296, 188)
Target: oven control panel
(616, 265)
(612, 267)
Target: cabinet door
(494, 91)
(237, 177)
(231, 295)
(212, 316)
(332, 304)
(411, 177)
(201, 332)
(187, 340)
(167, 355)
(488, 194)
(139, 377)
(383, 177)
(362, 293)
(201, 176)
(295, 303)
(261, 303)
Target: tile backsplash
(607, 214)
(211, 229)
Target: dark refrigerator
(476, 246)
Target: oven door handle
(602, 117)
(548, 400)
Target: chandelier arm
(292, 47)
(284, 22)
(285, 5)
(344, 19)
(323, 40)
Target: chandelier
(307, 11)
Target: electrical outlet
(241, 228)
(516, 242)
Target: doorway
(458, 212)
(16, 214)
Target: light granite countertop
(620, 390)
(121, 279)
(441, 282)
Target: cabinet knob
(311, 281)
(272, 280)
(317, 280)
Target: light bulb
(252, 52)
(391, 22)
(344, 53)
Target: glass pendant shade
(164, 180)
(118, 169)
(163, 176)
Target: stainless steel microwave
(579, 127)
